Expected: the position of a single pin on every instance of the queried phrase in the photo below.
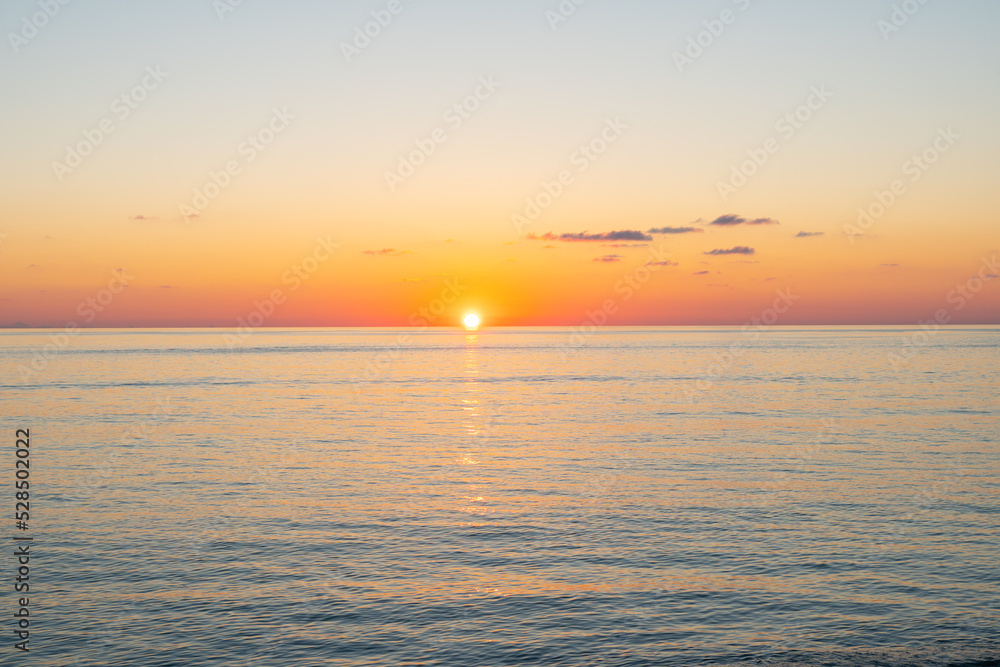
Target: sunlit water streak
(511, 497)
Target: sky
(402, 162)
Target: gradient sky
(681, 131)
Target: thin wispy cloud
(805, 235)
(390, 252)
(738, 250)
(621, 235)
(731, 220)
(676, 230)
(608, 258)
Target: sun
(471, 321)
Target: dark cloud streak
(738, 250)
(731, 220)
(676, 230)
(621, 235)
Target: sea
(538, 496)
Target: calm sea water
(516, 497)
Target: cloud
(386, 251)
(142, 217)
(624, 245)
(676, 230)
(805, 235)
(888, 264)
(666, 263)
(731, 220)
(738, 250)
(621, 235)
(608, 258)
(546, 247)
(728, 220)
(166, 286)
(700, 273)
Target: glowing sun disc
(471, 321)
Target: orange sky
(487, 147)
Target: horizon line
(915, 325)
